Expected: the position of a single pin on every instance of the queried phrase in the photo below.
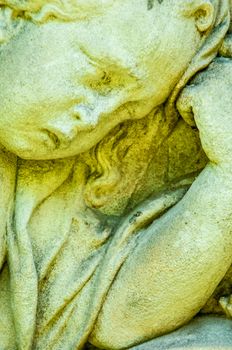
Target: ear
(203, 11)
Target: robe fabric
(62, 256)
(61, 265)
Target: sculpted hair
(13, 12)
(150, 3)
(41, 11)
(121, 155)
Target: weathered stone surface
(115, 174)
(204, 333)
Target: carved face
(64, 86)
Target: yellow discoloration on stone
(115, 172)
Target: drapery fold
(32, 187)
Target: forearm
(204, 212)
(179, 260)
(176, 266)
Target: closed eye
(108, 74)
(106, 82)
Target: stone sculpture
(116, 191)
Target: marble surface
(115, 174)
(203, 333)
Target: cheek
(169, 65)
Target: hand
(226, 304)
(207, 103)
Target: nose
(89, 116)
(86, 116)
(64, 129)
(81, 118)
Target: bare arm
(181, 257)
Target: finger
(185, 105)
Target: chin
(35, 156)
(30, 154)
